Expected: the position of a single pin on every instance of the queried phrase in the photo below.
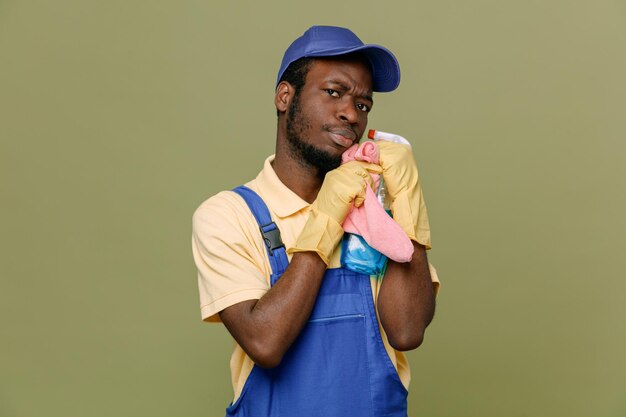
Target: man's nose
(347, 111)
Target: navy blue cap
(329, 41)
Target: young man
(313, 338)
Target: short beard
(303, 152)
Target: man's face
(329, 113)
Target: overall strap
(269, 231)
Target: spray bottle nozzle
(390, 137)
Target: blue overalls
(338, 365)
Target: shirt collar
(276, 195)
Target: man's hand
(402, 181)
(342, 188)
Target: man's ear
(284, 95)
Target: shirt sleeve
(434, 278)
(228, 254)
(423, 226)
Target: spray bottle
(356, 254)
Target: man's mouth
(343, 137)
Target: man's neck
(302, 180)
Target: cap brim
(385, 67)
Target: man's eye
(363, 107)
(332, 92)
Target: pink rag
(371, 221)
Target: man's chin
(325, 163)
(315, 157)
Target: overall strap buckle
(271, 237)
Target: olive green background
(118, 118)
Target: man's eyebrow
(343, 86)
